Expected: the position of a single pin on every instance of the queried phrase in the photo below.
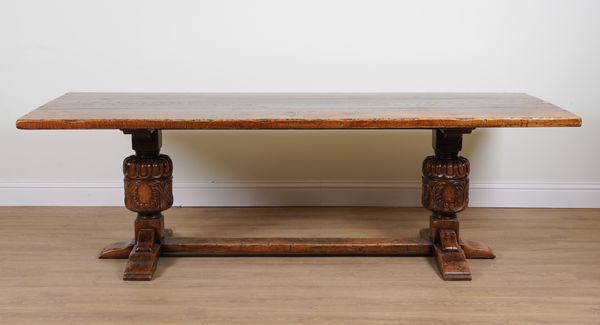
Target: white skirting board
(302, 193)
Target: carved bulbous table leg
(446, 192)
(148, 191)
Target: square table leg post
(148, 191)
(446, 192)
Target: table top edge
(282, 124)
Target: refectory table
(148, 174)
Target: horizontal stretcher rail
(296, 246)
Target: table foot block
(453, 265)
(475, 249)
(120, 249)
(143, 257)
(471, 248)
(141, 265)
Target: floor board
(547, 270)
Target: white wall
(550, 49)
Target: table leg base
(473, 249)
(122, 249)
(143, 257)
(452, 264)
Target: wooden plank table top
(295, 111)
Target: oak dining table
(148, 174)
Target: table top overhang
(295, 111)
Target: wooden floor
(547, 270)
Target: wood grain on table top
(295, 111)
